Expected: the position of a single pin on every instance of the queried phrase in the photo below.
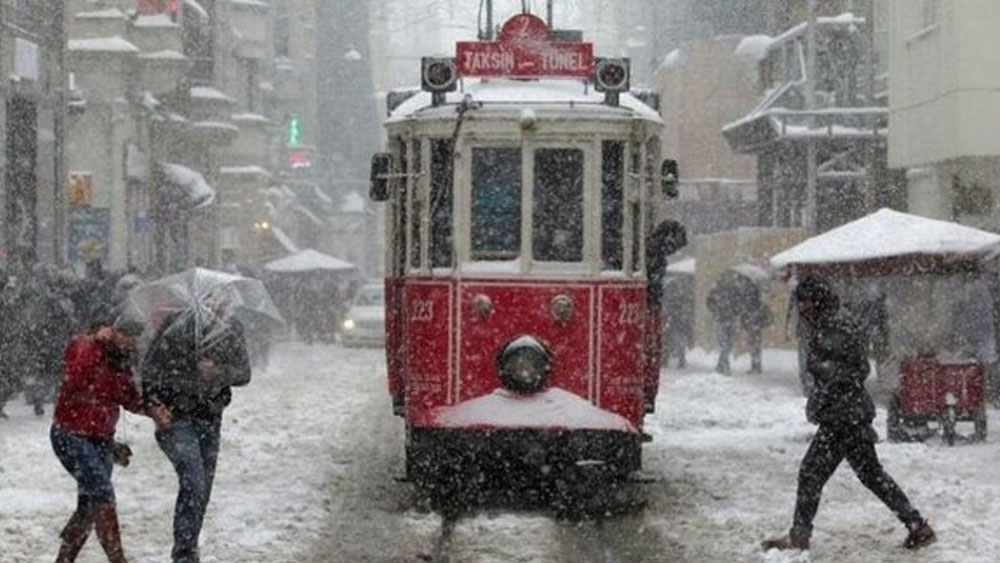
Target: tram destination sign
(525, 49)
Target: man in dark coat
(724, 302)
(840, 405)
(193, 361)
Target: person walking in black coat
(840, 405)
(194, 360)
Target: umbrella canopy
(888, 242)
(309, 260)
(204, 296)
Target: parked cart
(933, 392)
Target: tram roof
(507, 94)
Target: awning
(191, 182)
(309, 260)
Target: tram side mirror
(668, 175)
(381, 165)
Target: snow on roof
(250, 3)
(309, 260)
(285, 240)
(887, 233)
(353, 202)
(110, 13)
(517, 93)
(245, 170)
(753, 48)
(552, 408)
(216, 125)
(164, 55)
(198, 190)
(155, 20)
(674, 59)
(116, 44)
(209, 93)
(250, 117)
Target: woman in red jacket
(96, 382)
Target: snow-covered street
(310, 450)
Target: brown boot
(74, 535)
(785, 543)
(920, 536)
(106, 524)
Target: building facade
(33, 112)
(944, 100)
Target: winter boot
(920, 535)
(785, 543)
(106, 523)
(74, 535)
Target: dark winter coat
(170, 369)
(837, 358)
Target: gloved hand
(122, 454)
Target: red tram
(521, 186)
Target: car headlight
(349, 324)
(524, 365)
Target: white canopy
(309, 260)
(889, 234)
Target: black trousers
(829, 447)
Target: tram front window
(496, 204)
(557, 213)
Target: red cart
(932, 391)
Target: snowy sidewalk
(736, 442)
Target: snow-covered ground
(310, 448)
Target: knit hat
(816, 289)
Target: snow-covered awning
(116, 44)
(309, 260)
(193, 184)
(889, 242)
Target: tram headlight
(349, 324)
(524, 365)
(611, 75)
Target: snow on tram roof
(507, 93)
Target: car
(364, 324)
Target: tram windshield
(496, 204)
(557, 210)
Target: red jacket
(92, 390)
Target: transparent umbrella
(204, 296)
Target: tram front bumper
(518, 456)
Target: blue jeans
(192, 446)
(90, 462)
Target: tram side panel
(428, 335)
(621, 357)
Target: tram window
(557, 216)
(496, 204)
(442, 165)
(399, 227)
(612, 183)
(417, 212)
